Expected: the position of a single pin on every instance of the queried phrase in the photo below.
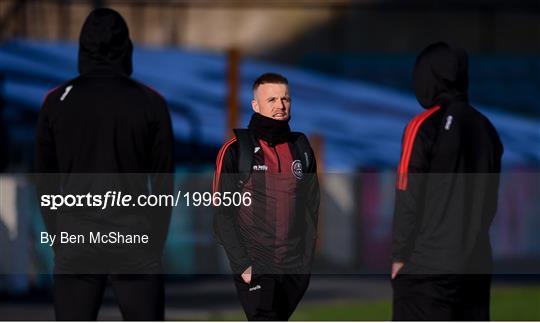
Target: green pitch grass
(507, 304)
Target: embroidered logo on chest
(263, 168)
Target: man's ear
(254, 105)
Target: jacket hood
(441, 74)
(104, 43)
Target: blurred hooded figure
(446, 197)
(103, 122)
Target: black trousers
(271, 297)
(77, 297)
(441, 297)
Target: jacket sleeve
(312, 214)
(410, 190)
(46, 164)
(162, 168)
(225, 228)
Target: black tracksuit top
(103, 122)
(278, 230)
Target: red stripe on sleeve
(408, 142)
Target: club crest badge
(296, 168)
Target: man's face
(272, 101)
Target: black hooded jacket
(448, 175)
(103, 122)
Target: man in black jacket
(446, 197)
(99, 132)
(271, 240)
